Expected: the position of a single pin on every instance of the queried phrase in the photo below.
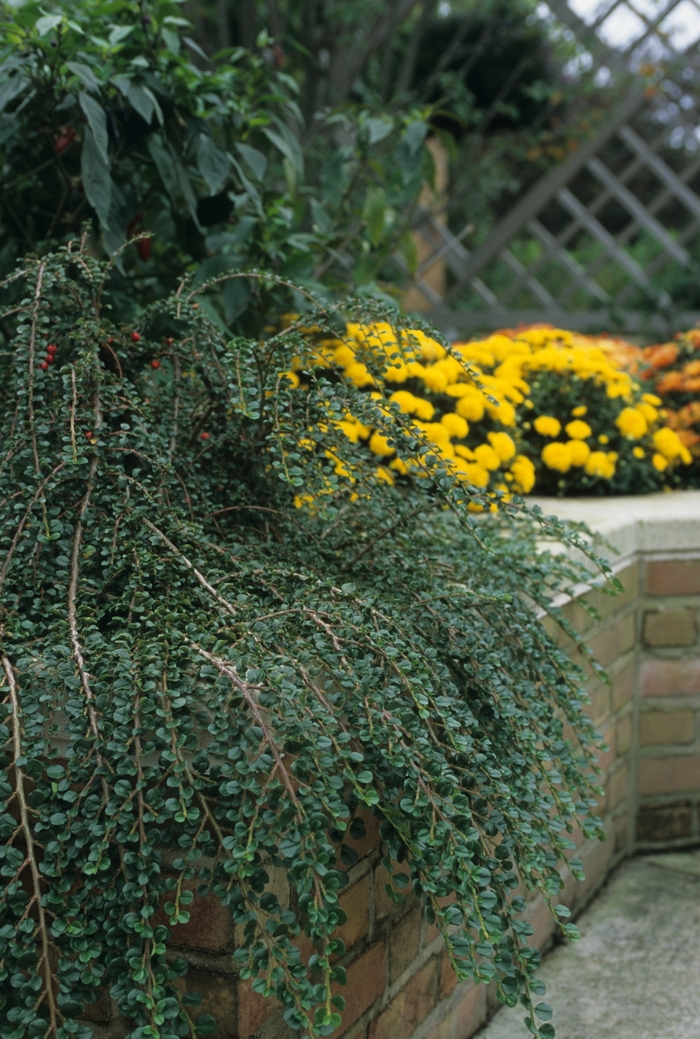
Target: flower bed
(534, 409)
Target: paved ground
(635, 974)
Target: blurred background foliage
(288, 136)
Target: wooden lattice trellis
(611, 237)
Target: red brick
(673, 577)
(596, 863)
(448, 978)
(619, 787)
(383, 905)
(465, 1018)
(404, 943)
(663, 727)
(621, 830)
(253, 1010)
(411, 1006)
(218, 992)
(623, 736)
(366, 983)
(672, 775)
(540, 916)
(210, 927)
(614, 640)
(670, 677)
(371, 840)
(670, 628)
(355, 903)
(623, 683)
(99, 1012)
(664, 822)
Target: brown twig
(45, 959)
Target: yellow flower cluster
(506, 412)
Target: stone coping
(659, 524)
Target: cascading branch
(203, 683)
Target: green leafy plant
(111, 111)
(203, 685)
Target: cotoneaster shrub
(203, 684)
(539, 409)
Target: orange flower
(692, 368)
(691, 385)
(669, 382)
(661, 356)
(689, 413)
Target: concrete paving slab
(682, 861)
(634, 974)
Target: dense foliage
(536, 409)
(203, 684)
(110, 111)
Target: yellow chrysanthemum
(503, 412)
(580, 411)
(603, 438)
(639, 452)
(578, 430)
(523, 473)
(659, 462)
(379, 445)
(358, 374)
(384, 476)
(350, 429)
(423, 409)
(471, 472)
(471, 406)
(344, 355)
(503, 445)
(435, 431)
(486, 456)
(557, 456)
(650, 413)
(668, 443)
(405, 400)
(599, 464)
(632, 423)
(435, 379)
(580, 452)
(293, 379)
(457, 426)
(547, 425)
(651, 398)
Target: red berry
(88, 433)
(143, 248)
(135, 337)
(52, 348)
(65, 139)
(204, 436)
(50, 359)
(155, 364)
(169, 341)
(110, 340)
(43, 365)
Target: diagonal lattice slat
(611, 236)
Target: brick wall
(668, 782)
(400, 985)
